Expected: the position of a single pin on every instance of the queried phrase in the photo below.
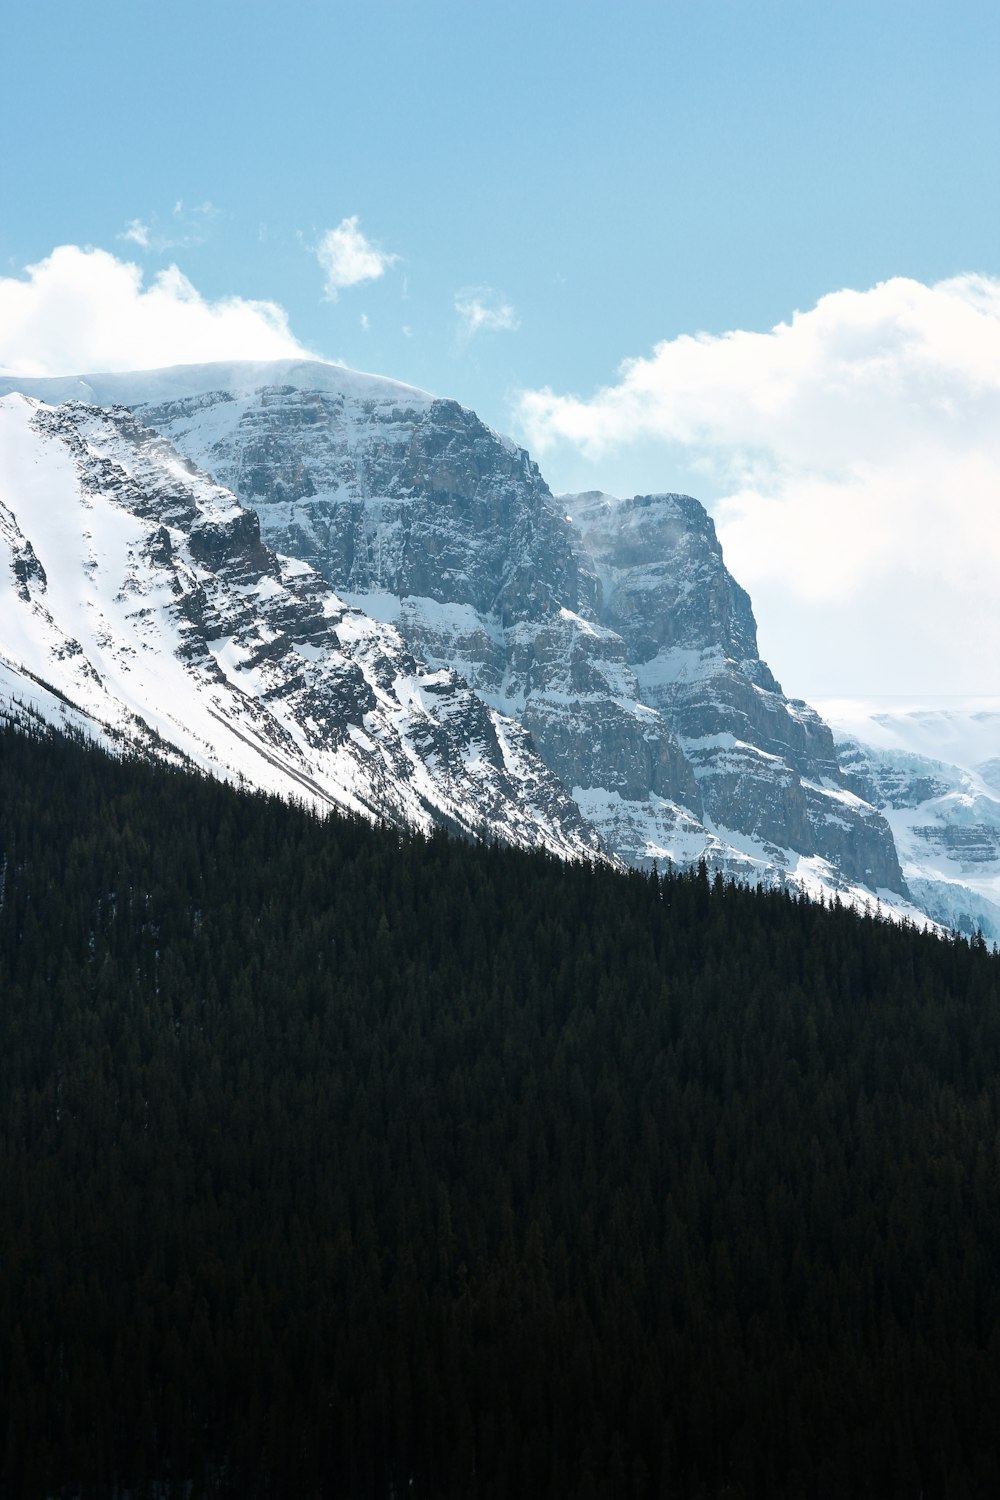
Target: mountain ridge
(145, 596)
(609, 630)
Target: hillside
(338, 1160)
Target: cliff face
(611, 629)
(608, 631)
(142, 592)
(418, 499)
(765, 765)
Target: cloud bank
(855, 454)
(84, 310)
(348, 258)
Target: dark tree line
(336, 1161)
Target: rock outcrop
(765, 765)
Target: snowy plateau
(345, 590)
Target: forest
(340, 1161)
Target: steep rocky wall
(611, 628)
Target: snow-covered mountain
(764, 766)
(137, 597)
(935, 773)
(604, 638)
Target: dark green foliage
(336, 1161)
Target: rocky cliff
(765, 765)
(609, 630)
(141, 592)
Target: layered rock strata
(610, 630)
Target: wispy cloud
(482, 311)
(83, 310)
(187, 227)
(348, 257)
(855, 450)
(137, 232)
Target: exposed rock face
(892, 781)
(415, 507)
(141, 591)
(945, 817)
(611, 630)
(765, 766)
(583, 708)
(664, 584)
(381, 496)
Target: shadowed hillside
(339, 1161)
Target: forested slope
(337, 1161)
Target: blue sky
(543, 191)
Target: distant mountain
(935, 774)
(608, 631)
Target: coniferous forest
(337, 1161)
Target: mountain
(935, 774)
(138, 597)
(608, 630)
(765, 766)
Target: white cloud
(348, 258)
(482, 310)
(84, 310)
(855, 456)
(137, 232)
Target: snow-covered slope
(608, 631)
(136, 596)
(239, 379)
(419, 513)
(935, 772)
